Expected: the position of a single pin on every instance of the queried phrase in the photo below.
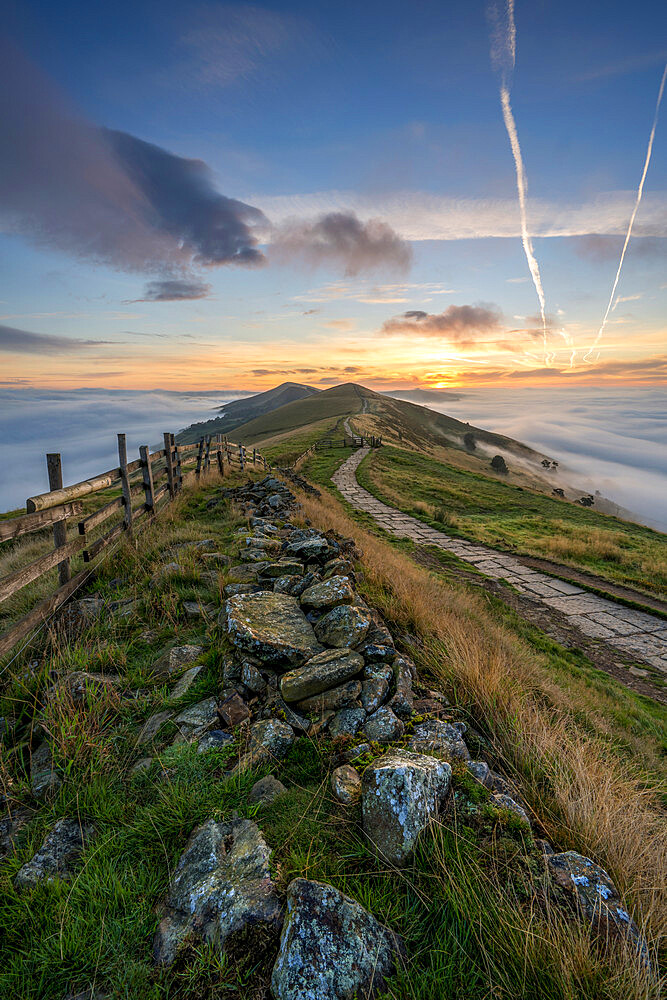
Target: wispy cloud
(14, 341)
(457, 323)
(174, 290)
(342, 239)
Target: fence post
(207, 454)
(221, 464)
(125, 482)
(55, 471)
(147, 473)
(254, 456)
(168, 459)
(177, 468)
(199, 457)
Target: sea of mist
(611, 440)
(82, 425)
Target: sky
(214, 195)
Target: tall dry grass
(584, 798)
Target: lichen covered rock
(330, 947)
(383, 726)
(271, 628)
(328, 594)
(346, 784)
(222, 886)
(323, 671)
(441, 739)
(58, 855)
(344, 626)
(401, 792)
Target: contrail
(503, 56)
(640, 191)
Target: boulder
(271, 628)
(58, 854)
(401, 793)
(330, 947)
(247, 573)
(328, 594)
(233, 710)
(252, 678)
(403, 699)
(194, 610)
(214, 739)
(221, 887)
(378, 652)
(270, 739)
(323, 671)
(258, 542)
(344, 626)
(266, 790)
(309, 549)
(347, 722)
(331, 700)
(480, 770)
(441, 739)
(383, 726)
(346, 784)
(374, 691)
(197, 719)
(285, 567)
(590, 890)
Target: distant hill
(240, 411)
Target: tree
(498, 464)
(469, 441)
(546, 463)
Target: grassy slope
(240, 411)
(510, 517)
(464, 905)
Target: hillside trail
(614, 628)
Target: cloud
(622, 66)
(416, 215)
(13, 341)
(174, 290)
(456, 323)
(363, 292)
(340, 238)
(106, 196)
(608, 248)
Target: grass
(516, 519)
(472, 905)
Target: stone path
(636, 634)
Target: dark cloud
(13, 341)
(185, 204)
(106, 196)
(456, 323)
(310, 312)
(174, 290)
(341, 238)
(351, 370)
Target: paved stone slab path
(636, 634)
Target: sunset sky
(209, 196)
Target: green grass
(512, 518)
(465, 906)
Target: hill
(240, 411)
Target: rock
(285, 567)
(221, 887)
(266, 544)
(271, 628)
(377, 652)
(402, 701)
(232, 589)
(270, 739)
(347, 722)
(502, 801)
(11, 826)
(215, 739)
(266, 790)
(167, 571)
(141, 766)
(330, 947)
(233, 710)
(328, 594)
(309, 549)
(344, 626)
(194, 610)
(245, 574)
(293, 718)
(591, 891)
(346, 784)
(338, 567)
(356, 751)
(433, 736)
(333, 699)
(197, 719)
(44, 779)
(401, 792)
(428, 706)
(383, 726)
(58, 854)
(480, 770)
(185, 682)
(78, 684)
(152, 727)
(322, 671)
(215, 559)
(177, 659)
(374, 691)
(252, 678)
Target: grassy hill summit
(239, 411)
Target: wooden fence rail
(153, 477)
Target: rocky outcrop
(222, 886)
(401, 793)
(330, 947)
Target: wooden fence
(128, 495)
